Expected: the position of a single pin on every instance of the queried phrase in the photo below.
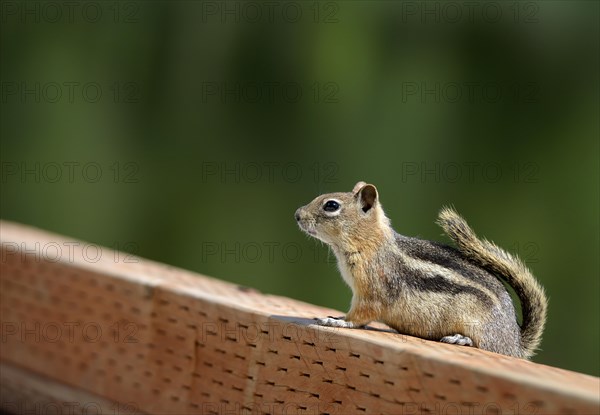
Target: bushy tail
(504, 265)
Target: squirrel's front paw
(334, 322)
(457, 339)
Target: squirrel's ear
(358, 186)
(368, 197)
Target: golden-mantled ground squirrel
(423, 288)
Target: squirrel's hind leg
(457, 339)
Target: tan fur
(489, 255)
(424, 288)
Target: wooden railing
(88, 330)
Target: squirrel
(423, 288)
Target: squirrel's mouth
(307, 228)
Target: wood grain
(146, 337)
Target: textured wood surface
(134, 336)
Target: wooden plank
(163, 340)
(25, 392)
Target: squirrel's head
(344, 220)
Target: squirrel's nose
(297, 215)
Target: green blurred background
(189, 132)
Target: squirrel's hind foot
(457, 339)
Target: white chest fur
(345, 269)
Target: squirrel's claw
(334, 322)
(457, 339)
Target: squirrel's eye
(331, 206)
